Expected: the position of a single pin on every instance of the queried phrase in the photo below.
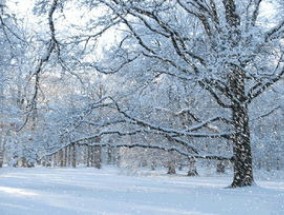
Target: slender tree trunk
(192, 168)
(109, 154)
(89, 156)
(73, 155)
(243, 172)
(97, 157)
(1, 158)
(220, 167)
(61, 158)
(171, 164)
(171, 167)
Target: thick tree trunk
(243, 173)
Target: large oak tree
(225, 46)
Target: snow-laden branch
(94, 138)
(207, 85)
(144, 146)
(81, 118)
(261, 87)
(207, 124)
(272, 34)
(267, 114)
(172, 132)
(255, 12)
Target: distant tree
(12, 45)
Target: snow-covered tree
(164, 63)
(226, 46)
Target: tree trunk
(90, 156)
(69, 155)
(73, 156)
(243, 175)
(65, 157)
(171, 164)
(220, 167)
(1, 158)
(61, 158)
(109, 154)
(243, 172)
(192, 168)
(171, 167)
(97, 157)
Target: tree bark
(171, 168)
(97, 157)
(109, 154)
(171, 164)
(192, 168)
(243, 172)
(73, 156)
(89, 156)
(1, 158)
(65, 157)
(61, 158)
(220, 167)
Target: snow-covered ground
(84, 191)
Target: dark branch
(255, 13)
(207, 86)
(259, 88)
(172, 132)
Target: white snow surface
(85, 191)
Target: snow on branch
(144, 146)
(272, 34)
(259, 88)
(207, 85)
(205, 123)
(267, 114)
(177, 133)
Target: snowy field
(41, 191)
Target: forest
(178, 84)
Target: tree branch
(144, 146)
(169, 131)
(207, 86)
(259, 88)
